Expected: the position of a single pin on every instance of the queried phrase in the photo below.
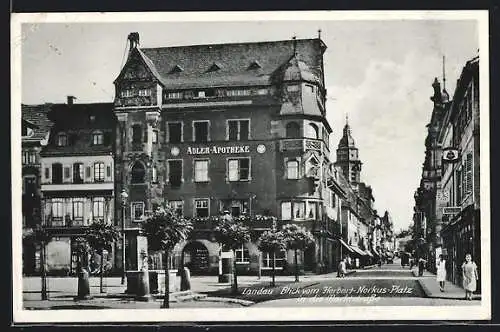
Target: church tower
(347, 156)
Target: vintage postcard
(266, 166)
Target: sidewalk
(431, 287)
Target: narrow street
(388, 285)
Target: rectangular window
(174, 132)
(29, 185)
(136, 134)
(174, 95)
(98, 208)
(177, 206)
(201, 208)
(137, 211)
(201, 170)
(97, 138)
(299, 209)
(57, 209)
(57, 173)
(78, 209)
(175, 173)
(242, 255)
(238, 130)
(311, 210)
(98, 172)
(286, 210)
(468, 173)
(333, 198)
(145, 92)
(127, 93)
(235, 207)
(154, 139)
(238, 169)
(292, 169)
(78, 173)
(200, 129)
(66, 172)
(279, 259)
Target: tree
(271, 242)
(101, 236)
(164, 228)
(296, 238)
(39, 235)
(232, 235)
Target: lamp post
(124, 197)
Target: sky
(378, 73)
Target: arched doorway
(195, 256)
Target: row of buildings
(206, 129)
(447, 202)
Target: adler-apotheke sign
(218, 149)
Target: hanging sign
(450, 155)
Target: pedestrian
(441, 272)
(342, 268)
(469, 276)
(421, 264)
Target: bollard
(83, 286)
(185, 279)
(143, 293)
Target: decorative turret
(347, 156)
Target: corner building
(236, 127)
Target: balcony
(303, 144)
(60, 222)
(78, 186)
(253, 222)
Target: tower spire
(294, 38)
(319, 33)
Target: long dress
(441, 270)
(470, 276)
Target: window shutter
(47, 173)
(87, 172)
(108, 171)
(468, 167)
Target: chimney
(70, 100)
(133, 37)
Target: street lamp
(124, 197)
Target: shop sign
(226, 254)
(217, 149)
(452, 210)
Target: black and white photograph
(232, 166)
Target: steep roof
(235, 62)
(37, 115)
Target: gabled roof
(233, 61)
(37, 115)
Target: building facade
(77, 181)
(236, 127)
(460, 183)
(34, 136)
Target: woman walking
(441, 272)
(470, 276)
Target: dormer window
(145, 92)
(254, 65)
(126, 93)
(214, 67)
(176, 69)
(62, 139)
(174, 95)
(97, 138)
(26, 131)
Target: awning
(359, 251)
(348, 247)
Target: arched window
(293, 130)
(312, 131)
(138, 173)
